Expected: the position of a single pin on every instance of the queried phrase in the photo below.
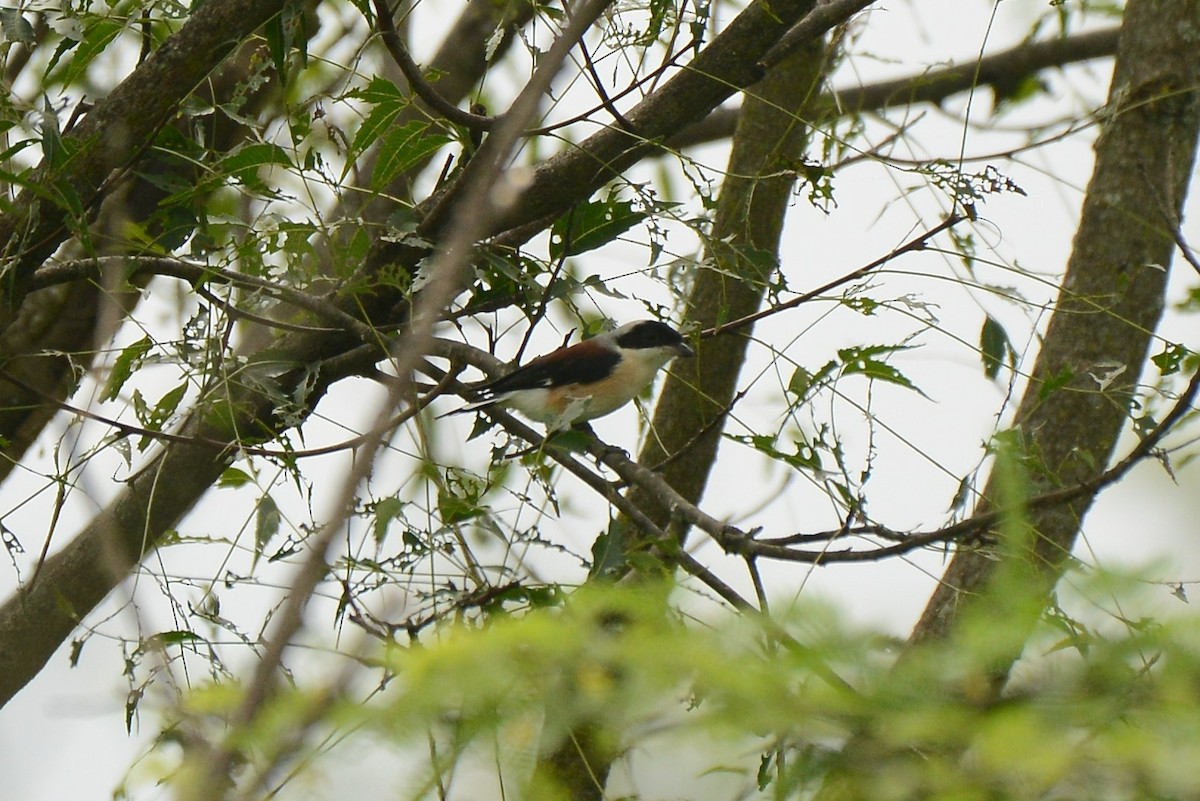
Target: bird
(589, 379)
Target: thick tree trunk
(35, 622)
(742, 254)
(754, 200)
(1109, 304)
(1111, 298)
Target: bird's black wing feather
(552, 370)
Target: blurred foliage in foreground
(1095, 711)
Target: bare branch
(822, 19)
(91, 269)
(412, 73)
(123, 429)
(977, 525)
(117, 129)
(1001, 70)
(919, 242)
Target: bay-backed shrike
(587, 380)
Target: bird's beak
(682, 349)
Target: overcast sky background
(63, 737)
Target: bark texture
(754, 200)
(36, 621)
(742, 254)
(113, 132)
(1112, 295)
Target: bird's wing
(585, 363)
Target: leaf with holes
(154, 419)
(386, 510)
(804, 457)
(1171, 358)
(591, 225)
(863, 361)
(15, 27)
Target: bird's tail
(471, 407)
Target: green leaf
(863, 361)
(482, 425)
(379, 90)
(1053, 383)
(175, 637)
(266, 524)
(460, 496)
(456, 508)
(96, 38)
(803, 457)
(155, 418)
(995, 347)
(131, 705)
(131, 357)
(386, 511)
(595, 284)
(15, 27)
(377, 121)
(63, 48)
(572, 439)
(243, 164)
(1171, 358)
(76, 652)
(233, 477)
(803, 383)
(766, 771)
(11, 543)
(404, 147)
(285, 32)
(1013, 92)
(591, 225)
(52, 143)
(608, 551)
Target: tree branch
(1000, 71)
(822, 19)
(115, 131)
(417, 82)
(1150, 132)
(725, 66)
(919, 242)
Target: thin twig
(417, 82)
(64, 272)
(919, 242)
(544, 302)
(241, 314)
(694, 568)
(704, 431)
(823, 18)
(670, 61)
(608, 104)
(935, 85)
(1189, 255)
(981, 522)
(221, 446)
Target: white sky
(63, 736)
